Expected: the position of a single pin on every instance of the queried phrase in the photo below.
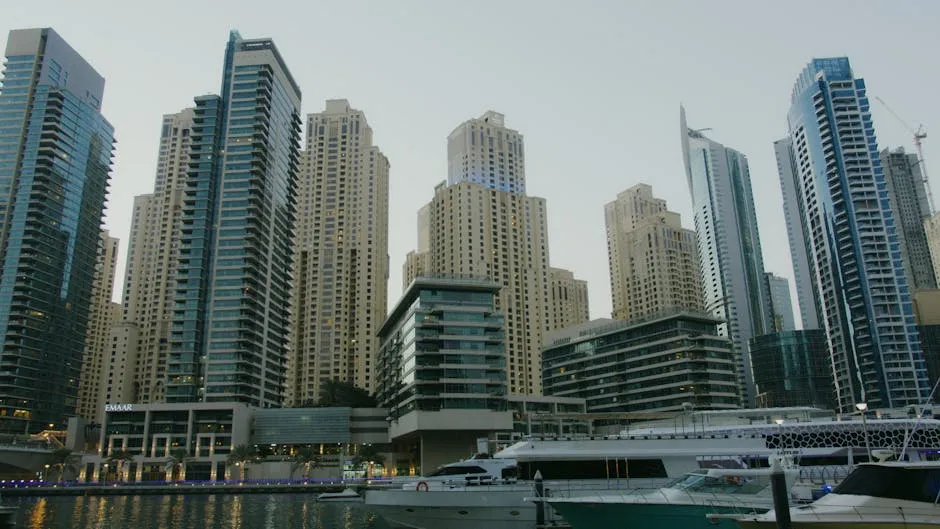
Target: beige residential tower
(480, 224)
(103, 313)
(654, 264)
(341, 254)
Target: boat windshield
(457, 471)
(722, 485)
(896, 482)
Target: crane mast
(919, 135)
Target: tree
(306, 457)
(176, 463)
(368, 455)
(339, 393)
(64, 460)
(118, 460)
(241, 456)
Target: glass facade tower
(731, 261)
(854, 257)
(55, 165)
(443, 350)
(229, 338)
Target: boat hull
(844, 524)
(454, 509)
(589, 515)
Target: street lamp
(780, 429)
(862, 407)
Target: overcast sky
(594, 86)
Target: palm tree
(176, 464)
(306, 457)
(240, 456)
(368, 455)
(118, 460)
(64, 460)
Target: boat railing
(824, 474)
(871, 514)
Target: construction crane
(919, 134)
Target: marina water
(228, 511)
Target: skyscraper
(781, 307)
(231, 320)
(569, 297)
(55, 165)
(341, 265)
(792, 213)
(732, 264)
(102, 315)
(852, 247)
(908, 198)
(932, 232)
(484, 151)
(481, 224)
(482, 233)
(653, 260)
(150, 275)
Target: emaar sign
(118, 407)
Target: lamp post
(780, 429)
(862, 407)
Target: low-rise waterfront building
(442, 371)
(137, 441)
(660, 363)
(789, 369)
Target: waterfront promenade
(25, 488)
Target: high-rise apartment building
(781, 307)
(486, 152)
(418, 262)
(55, 165)
(908, 198)
(792, 213)
(150, 273)
(341, 260)
(653, 260)
(853, 250)
(230, 331)
(732, 265)
(483, 233)
(932, 232)
(569, 298)
(103, 314)
(481, 225)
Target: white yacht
(651, 456)
(684, 504)
(347, 495)
(887, 495)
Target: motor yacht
(347, 495)
(884, 495)
(824, 446)
(682, 505)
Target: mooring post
(778, 485)
(539, 503)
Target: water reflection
(37, 518)
(249, 511)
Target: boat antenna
(920, 415)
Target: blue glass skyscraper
(55, 165)
(229, 338)
(852, 248)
